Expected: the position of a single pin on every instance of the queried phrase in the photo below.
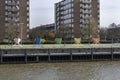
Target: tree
(103, 33)
(113, 32)
(12, 31)
(64, 32)
(39, 31)
(90, 30)
(51, 35)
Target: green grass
(58, 46)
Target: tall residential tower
(16, 12)
(74, 14)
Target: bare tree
(113, 32)
(12, 31)
(103, 33)
(37, 32)
(90, 29)
(50, 35)
(64, 32)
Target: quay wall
(59, 54)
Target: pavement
(59, 46)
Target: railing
(12, 9)
(11, 3)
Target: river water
(107, 70)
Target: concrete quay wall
(29, 55)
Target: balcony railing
(11, 3)
(86, 2)
(12, 15)
(12, 9)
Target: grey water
(106, 70)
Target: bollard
(71, 57)
(49, 55)
(25, 54)
(37, 58)
(92, 54)
(1, 57)
(112, 53)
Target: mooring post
(111, 53)
(92, 54)
(1, 57)
(37, 58)
(25, 55)
(71, 57)
(49, 55)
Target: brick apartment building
(16, 11)
(74, 13)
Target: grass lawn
(58, 46)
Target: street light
(20, 25)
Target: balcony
(82, 16)
(86, 2)
(12, 9)
(87, 12)
(12, 15)
(87, 7)
(11, 3)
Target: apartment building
(49, 27)
(14, 12)
(74, 13)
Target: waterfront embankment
(59, 53)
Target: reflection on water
(62, 71)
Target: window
(6, 1)
(27, 8)
(27, 2)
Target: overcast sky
(42, 12)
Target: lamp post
(20, 25)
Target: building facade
(74, 14)
(14, 12)
(49, 27)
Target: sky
(42, 12)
